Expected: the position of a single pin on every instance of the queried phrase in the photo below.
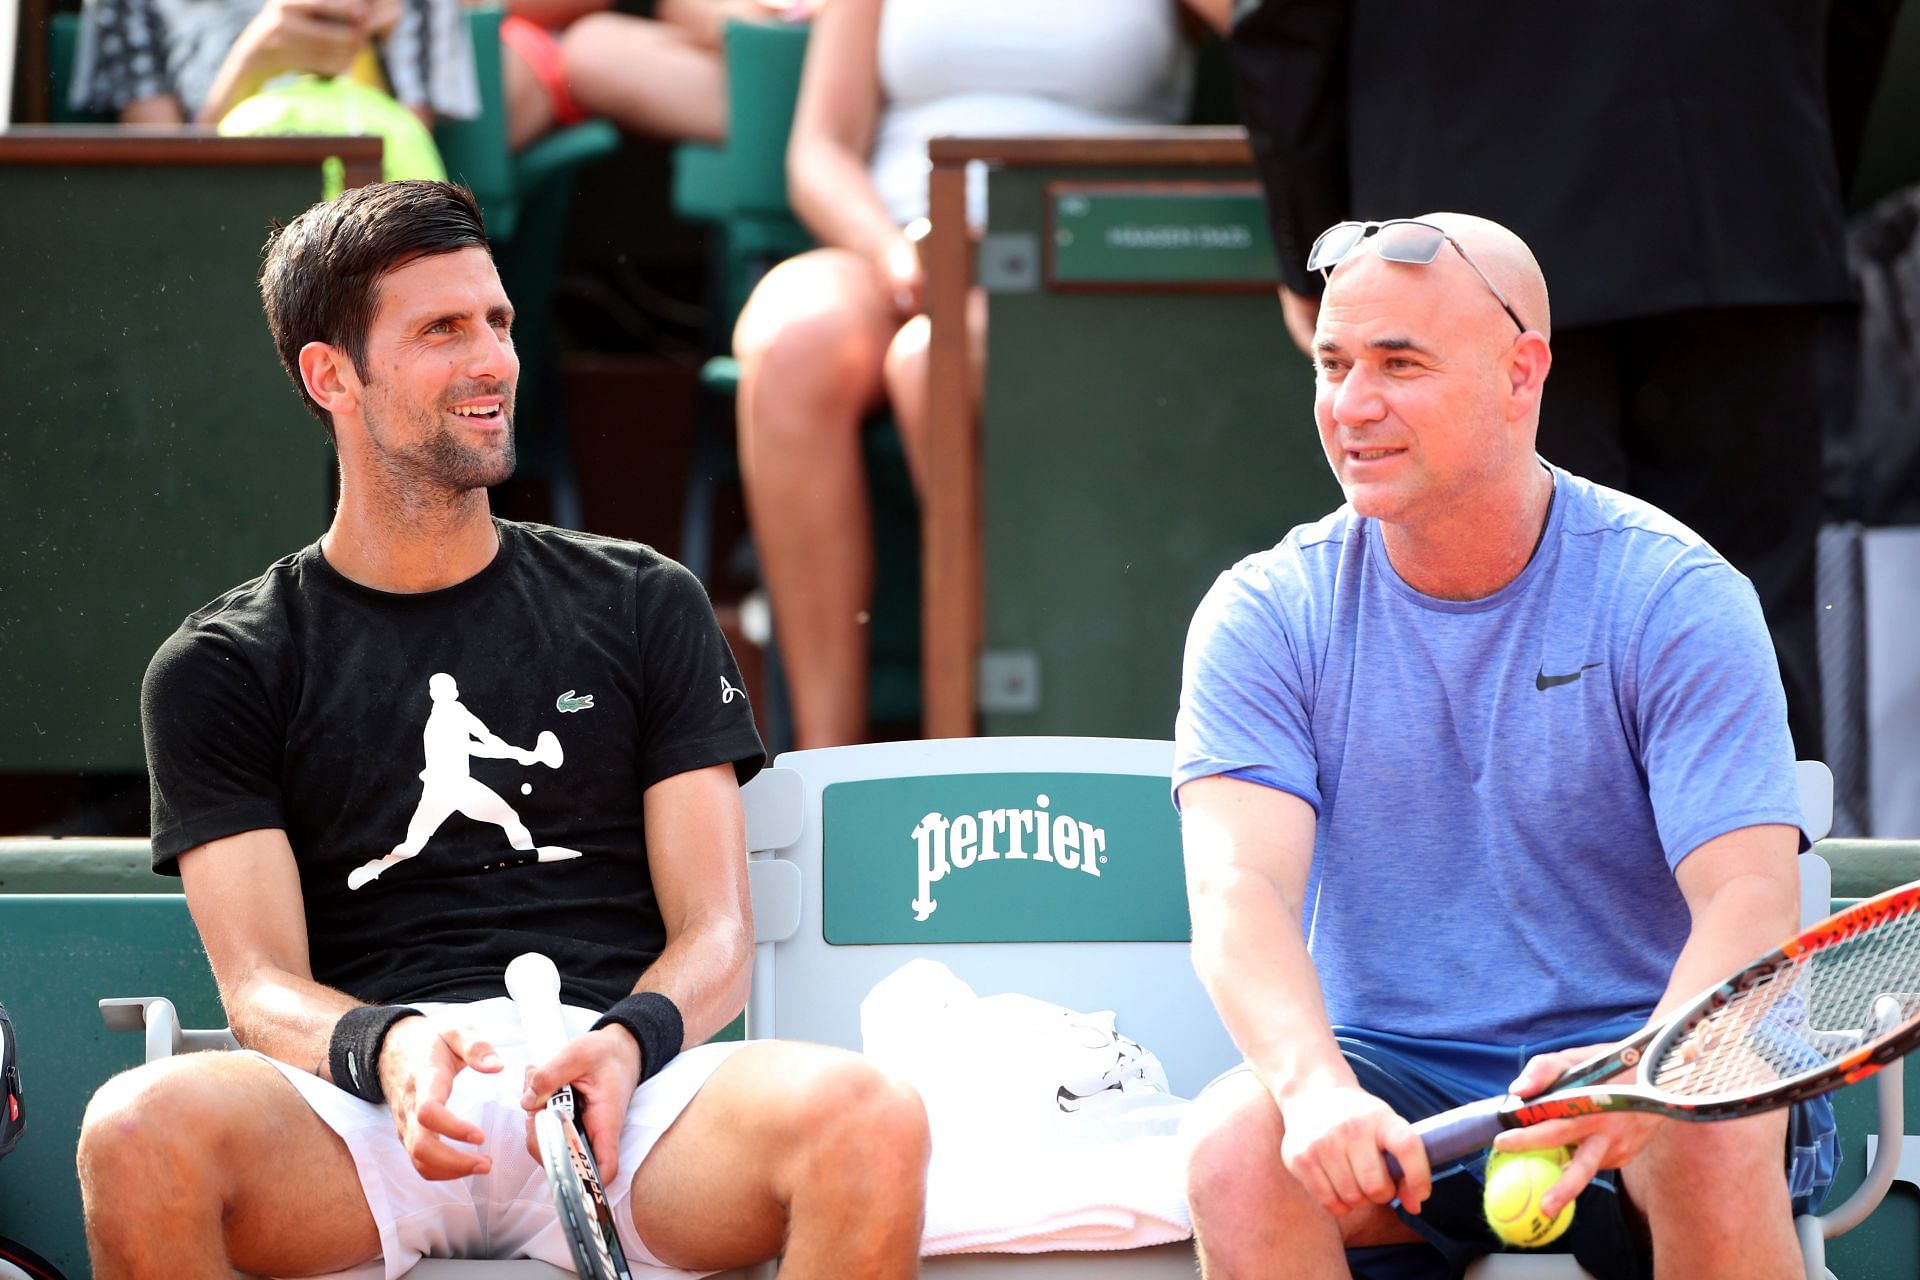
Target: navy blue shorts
(1419, 1078)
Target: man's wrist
(1297, 1079)
(353, 1051)
(655, 1024)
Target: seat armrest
(156, 1016)
(1883, 1157)
(551, 157)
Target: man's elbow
(1767, 903)
(733, 945)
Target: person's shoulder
(1309, 556)
(1289, 583)
(581, 546)
(1631, 533)
(580, 549)
(242, 611)
(240, 624)
(578, 555)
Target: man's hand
(1605, 1141)
(418, 1063)
(1333, 1142)
(1301, 314)
(604, 1069)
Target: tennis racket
(1833, 1005)
(585, 1215)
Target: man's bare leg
(211, 1161)
(1715, 1199)
(1251, 1219)
(791, 1149)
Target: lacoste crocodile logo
(567, 702)
(1543, 682)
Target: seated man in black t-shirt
(534, 739)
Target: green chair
(740, 190)
(740, 187)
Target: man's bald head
(1502, 260)
(1507, 262)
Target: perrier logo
(947, 845)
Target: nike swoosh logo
(1543, 682)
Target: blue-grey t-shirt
(1504, 786)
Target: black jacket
(1658, 155)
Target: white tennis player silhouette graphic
(453, 736)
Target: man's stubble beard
(439, 460)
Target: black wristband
(353, 1054)
(652, 1020)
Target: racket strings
(1855, 988)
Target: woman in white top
(830, 335)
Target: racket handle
(1459, 1132)
(534, 984)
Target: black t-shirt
(496, 735)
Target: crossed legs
(210, 1162)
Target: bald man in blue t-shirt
(1486, 768)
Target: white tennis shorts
(507, 1212)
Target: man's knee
(148, 1130)
(849, 1110)
(1233, 1152)
(1716, 1179)
(853, 1095)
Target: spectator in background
(660, 74)
(533, 68)
(171, 61)
(1679, 171)
(833, 334)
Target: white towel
(1050, 1129)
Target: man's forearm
(706, 971)
(1253, 961)
(286, 1017)
(1743, 919)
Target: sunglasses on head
(1398, 240)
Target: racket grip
(1463, 1130)
(1459, 1132)
(534, 984)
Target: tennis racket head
(1831, 1006)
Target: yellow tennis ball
(1515, 1182)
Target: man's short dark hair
(321, 277)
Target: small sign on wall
(1189, 236)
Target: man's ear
(330, 378)
(1527, 366)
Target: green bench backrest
(62, 954)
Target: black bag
(13, 1112)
